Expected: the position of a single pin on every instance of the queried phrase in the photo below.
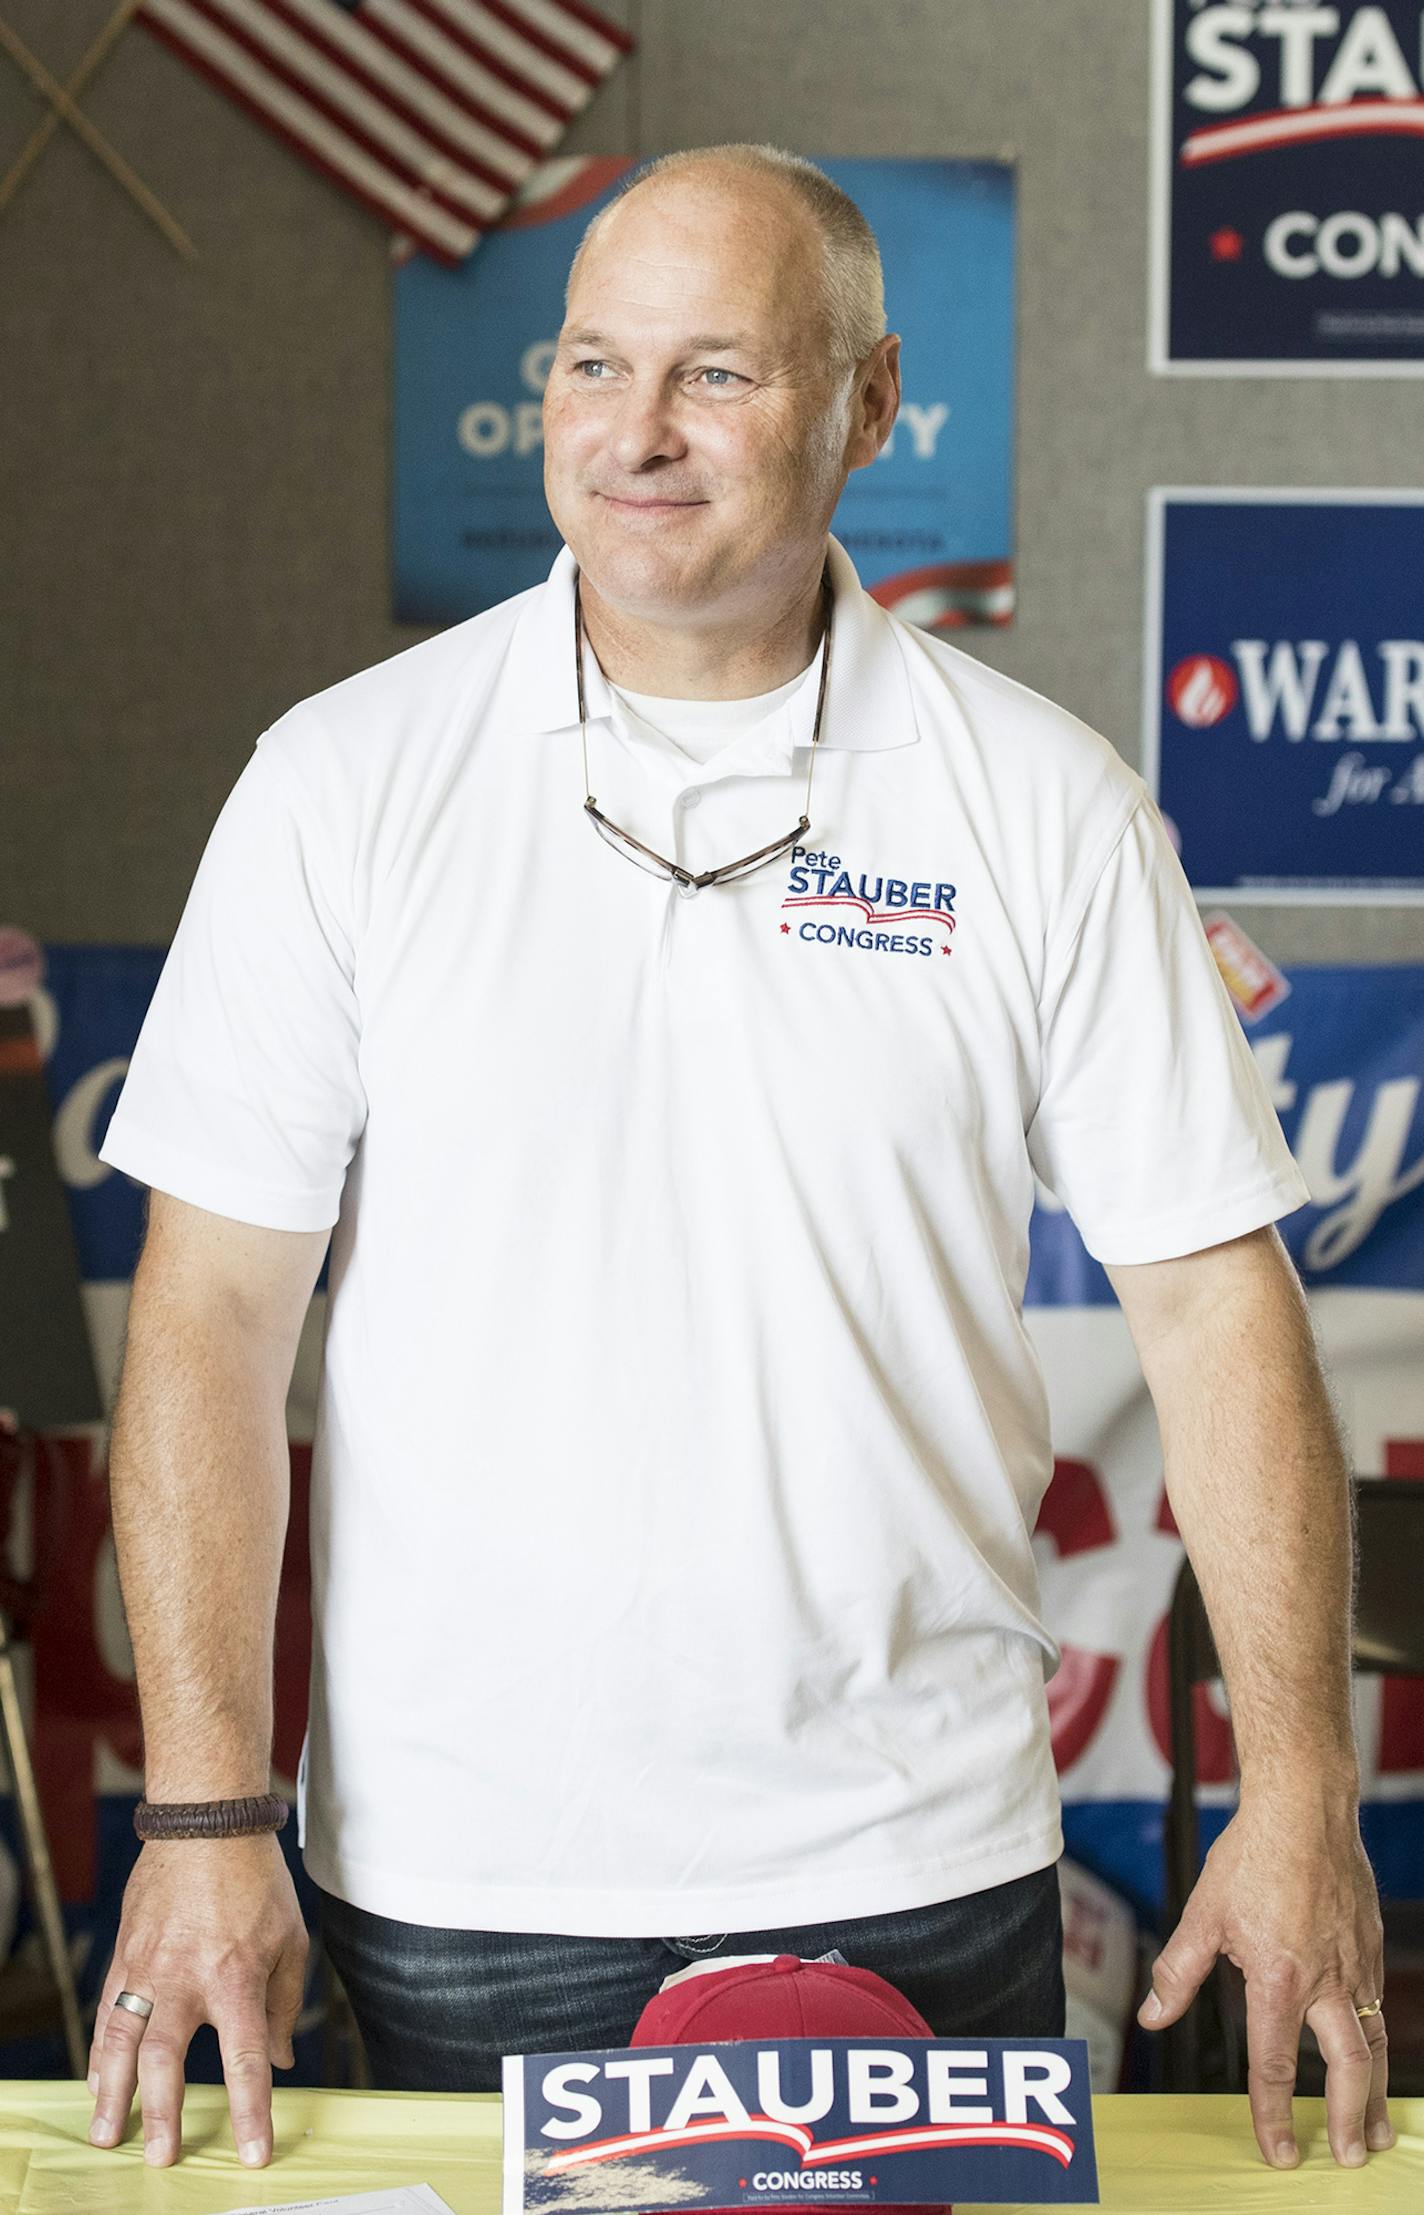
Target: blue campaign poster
(929, 524)
(1287, 225)
(1284, 691)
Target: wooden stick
(44, 130)
(97, 144)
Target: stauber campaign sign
(1287, 225)
(758, 2122)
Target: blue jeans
(438, 2008)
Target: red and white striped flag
(431, 111)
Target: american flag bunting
(433, 112)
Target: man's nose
(646, 425)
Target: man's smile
(649, 507)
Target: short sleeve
(244, 1094)
(1153, 1126)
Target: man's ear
(875, 403)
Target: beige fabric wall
(194, 456)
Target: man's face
(694, 439)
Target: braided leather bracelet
(210, 1818)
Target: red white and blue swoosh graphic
(562, 186)
(865, 910)
(946, 595)
(1035, 2137)
(1260, 134)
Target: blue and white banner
(928, 524)
(1287, 218)
(1283, 711)
(757, 2122)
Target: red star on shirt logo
(946, 949)
(786, 926)
(1226, 244)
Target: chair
(1206, 2050)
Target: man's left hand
(1290, 1898)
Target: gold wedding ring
(1373, 2008)
(134, 2003)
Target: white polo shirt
(679, 1438)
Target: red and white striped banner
(433, 112)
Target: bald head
(843, 286)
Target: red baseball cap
(779, 1996)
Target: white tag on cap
(737, 1961)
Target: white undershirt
(701, 728)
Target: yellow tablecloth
(1156, 2155)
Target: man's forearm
(1259, 1486)
(200, 1488)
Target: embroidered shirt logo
(864, 905)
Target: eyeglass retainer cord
(685, 876)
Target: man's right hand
(211, 1932)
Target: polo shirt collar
(869, 698)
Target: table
(1158, 2154)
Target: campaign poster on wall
(1287, 219)
(1283, 712)
(928, 523)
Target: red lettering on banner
(1401, 1710)
(1074, 1511)
(1078, 1693)
(1076, 1516)
(1216, 1751)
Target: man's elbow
(1173, 1304)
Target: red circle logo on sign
(1201, 690)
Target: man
(680, 1441)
